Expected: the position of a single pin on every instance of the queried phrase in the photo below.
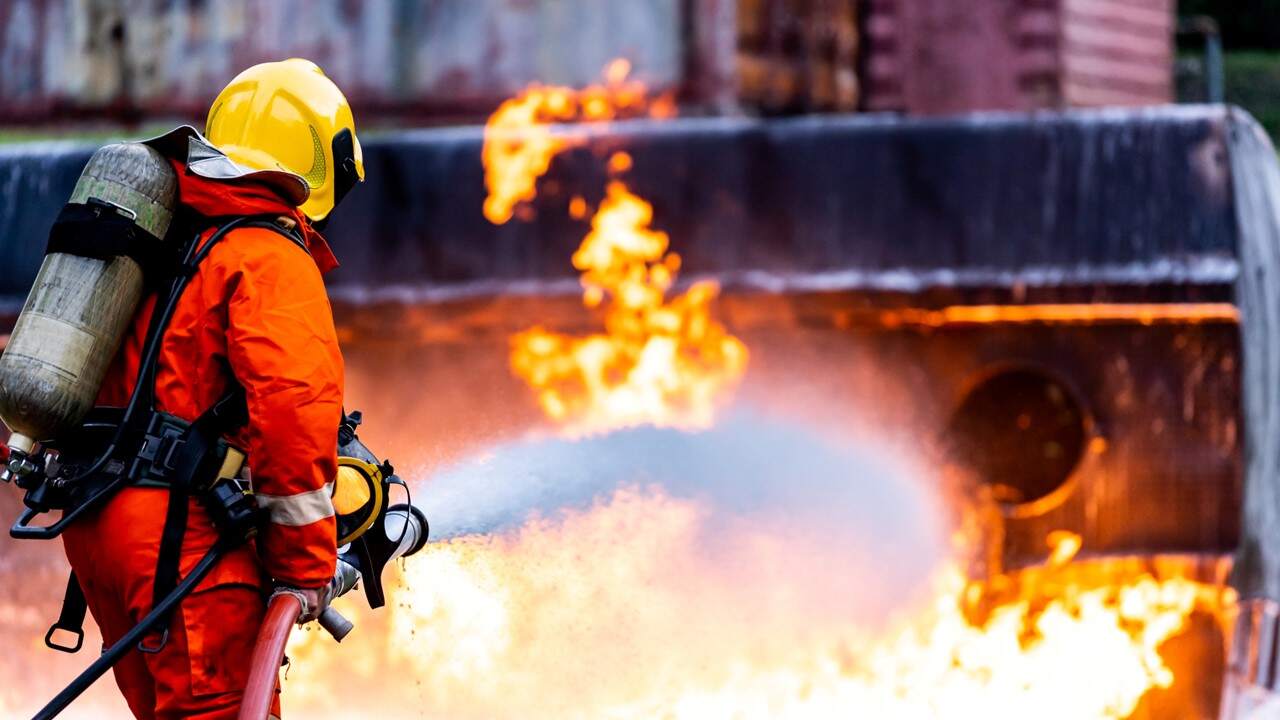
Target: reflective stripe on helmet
(300, 509)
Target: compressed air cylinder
(76, 314)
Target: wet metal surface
(1088, 199)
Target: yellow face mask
(358, 497)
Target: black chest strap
(195, 464)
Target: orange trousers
(202, 670)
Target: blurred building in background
(424, 60)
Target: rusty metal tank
(76, 314)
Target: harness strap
(168, 561)
(195, 459)
(100, 230)
(196, 462)
(71, 619)
(286, 229)
(182, 275)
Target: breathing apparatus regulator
(371, 531)
(115, 239)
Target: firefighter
(279, 142)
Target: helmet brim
(185, 143)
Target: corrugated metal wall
(1117, 52)
(452, 60)
(942, 56)
(155, 57)
(881, 63)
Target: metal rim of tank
(1082, 440)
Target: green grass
(102, 134)
(108, 133)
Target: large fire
(640, 606)
(649, 604)
(620, 611)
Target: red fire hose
(404, 522)
(268, 655)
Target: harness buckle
(169, 446)
(78, 633)
(143, 647)
(156, 457)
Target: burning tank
(1064, 318)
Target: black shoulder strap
(193, 255)
(196, 459)
(283, 226)
(280, 224)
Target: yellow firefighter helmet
(289, 116)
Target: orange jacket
(256, 311)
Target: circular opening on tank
(1020, 432)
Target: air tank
(76, 314)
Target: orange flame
(519, 142)
(1063, 546)
(519, 145)
(661, 361)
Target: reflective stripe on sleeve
(301, 509)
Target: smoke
(865, 505)
(644, 573)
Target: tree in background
(1251, 38)
(1245, 24)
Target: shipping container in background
(158, 57)
(414, 60)
(939, 56)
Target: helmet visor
(346, 173)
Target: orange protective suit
(256, 311)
